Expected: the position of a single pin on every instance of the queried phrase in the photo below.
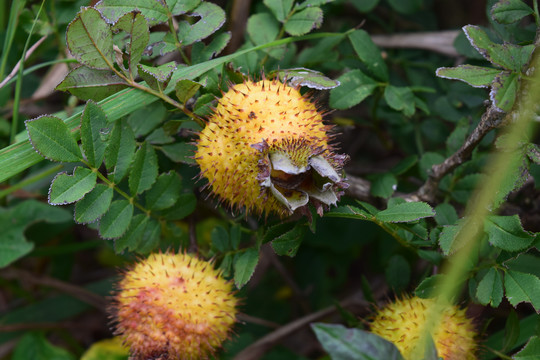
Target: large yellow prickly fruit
(404, 321)
(267, 149)
(173, 306)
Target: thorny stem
(490, 120)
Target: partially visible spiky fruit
(173, 306)
(266, 148)
(404, 321)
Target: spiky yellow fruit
(267, 149)
(173, 306)
(404, 322)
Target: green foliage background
(444, 174)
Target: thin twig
(261, 346)
(297, 292)
(358, 188)
(242, 317)
(77, 292)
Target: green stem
(30, 180)
(170, 101)
(122, 193)
(18, 85)
(176, 40)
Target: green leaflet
(304, 21)
(94, 204)
(355, 87)
(66, 189)
(116, 220)
(51, 138)
(15, 220)
(244, 266)
(94, 126)
(343, 343)
(90, 41)
(144, 170)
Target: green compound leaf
(476, 76)
(93, 125)
(116, 220)
(220, 239)
(66, 189)
(448, 238)
(343, 343)
(306, 77)
(369, 54)
(280, 8)
(154, 11)
(86, 83)
(289, 242)
(34, 345)
(133, 236)
(490, 288)
(52, 139)
(165, 192)
(400, 99)
(212, 17)
(146, 119)
(384, 185)
(107, 349)
(511, 331)
(144, 170)
(136, 27)
(201, 52)
(94, 204)
(120, 151)
(184, 206)
(406, 212)
(244, 266)
(504, 90)
(15, 220)
(508, 56)
(186, 89)
(506, 232)
(355, 87)
(150, 238)
(364, 6)
(521, 287)
(157, 77)
(262, 28)
(304, 21)
(446, 214)
(510, 11)
(530, 351)
(89, 39)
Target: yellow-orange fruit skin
(173, 306)
(248, 114)
(403, 321)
